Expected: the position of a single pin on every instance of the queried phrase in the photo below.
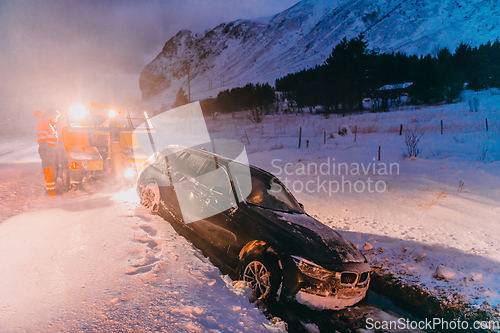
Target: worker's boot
(52, 193)
(49, 182)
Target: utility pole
(189, 88)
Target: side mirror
(301, 206)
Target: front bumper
(342, 299)
(338, 291)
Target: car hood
(308, 238)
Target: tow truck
(99, 142)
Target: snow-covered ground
(14, 142)
(98, 261)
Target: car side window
(216, 181)
(203, 188)
(193, 164)
(176, 165)
(185, 164)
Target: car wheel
(150, 197)
(263, 274)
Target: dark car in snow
(250, 226)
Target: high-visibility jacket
(46, 133)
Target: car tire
(263, 274)
(150, 197)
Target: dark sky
(58, 53)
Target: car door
(205, 196)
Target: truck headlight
(78, 112)
(129, 173)
(311, 269)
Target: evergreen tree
(426, 80)
(249, 97)
(352, 72)
(181, 99)
(347, 73)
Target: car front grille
(352, 278)
(348, 278)
(363, 277)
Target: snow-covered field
(98, 261)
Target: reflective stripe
(52, 140)
(46, 133)
(42, 136)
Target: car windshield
(269, 192)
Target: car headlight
(311, 269)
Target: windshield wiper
(274, 209)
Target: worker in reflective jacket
(47, 141)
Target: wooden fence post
(441, 127)
(300, 136)
(400, 129)
(379, 153)
(486, 124)
(247, 137)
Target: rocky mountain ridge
(235, 53)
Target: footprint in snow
(149, 229)
(143, 217)
(143, 269)
(149, 259)
(152, 243)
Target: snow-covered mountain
(235, 53)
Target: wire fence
(453, 136)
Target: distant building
(392, 95)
